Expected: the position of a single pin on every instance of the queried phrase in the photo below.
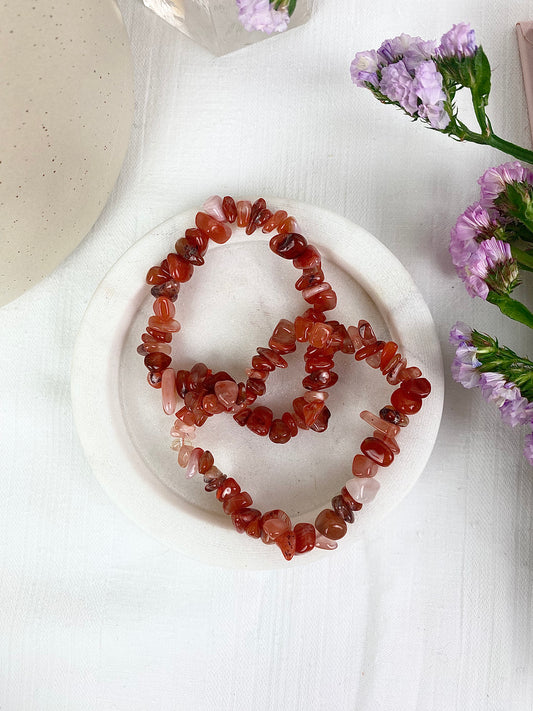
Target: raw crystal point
(362, 490)
(226, 392)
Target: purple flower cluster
(514, 408)
(405, 71)
(260, 15)
(481, 260)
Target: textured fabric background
(435, 612)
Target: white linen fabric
(435, 612)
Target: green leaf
(482, 75)
(511, 307)
(292, 7)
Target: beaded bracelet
(206, 393)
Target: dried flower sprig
(503, 377)
(492, 239)
(423, 77)
(265, 15)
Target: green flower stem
(516, 151)
(524, 259)
(500, 359)
(511, 307)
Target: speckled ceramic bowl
(66, 106)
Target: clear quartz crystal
(215, 23)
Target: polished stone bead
(302, 327)
(261, 363)
(370, 350)
(244, 212)
(170, 289)
(241, 418)
(181, 382)
(377, 451)
(192, 464)
(213, 478)
(321, 422)
(274, 221)
(258, 206)
(319, 335)
(342, 509)
(197, 376)
(214, 229)
(154, 379)
(169, 394)
(262, 218)
(286, 542)
(288, 419)
(198, 239)
(363, 466)
(283, 339)
(330, 524)
(157, 276)
(390, 441)
(309, 258)
(352, 503)
(325, 543)
(320, 379)
(313, 315)
(420, 387)
(363, 490)
(168, 326)
(355, 338)
(257, 374)
(289, 225)
(389, 429)
(366, 332)
(211, 404)
(311, 411)
(279, 432)
(157, 361)
(189, 252)
(410, 373)
(237, 502)
(260, 421)
(288, 246)
(312, 395)
(275, 522)
(228, 489)
(180, 429)
(230, 208)
(389, 414)
(298, 413)
(213, 207)
(184, 455)
(273, 357)
(318, 362)
(393, 377)
(253, 529)
(392, 364)
(311, 292)
(243, 518)
(185, 415)
(325, 300)
(305, 534)
(388, 352)
(256, 387)
(226, 392)
(205, 462)
(180, 269)
(154, 334)
(403, 402)
(146, 348)
(310, 277)
(164, 308)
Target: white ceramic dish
(228, 309)
(66, 108)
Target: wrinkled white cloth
(434, 612)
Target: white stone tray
(227, 309)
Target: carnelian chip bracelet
(219, 392)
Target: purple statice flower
(528, 447)
(494, 180)
(474, 225)
(494, 387)
(491, 267)
(516, 410)
(428, 87)
(458, 42)
(412, 50)
(398, 85)
(461, 333)
(364, 68)
(260, 15)
(465, 366)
